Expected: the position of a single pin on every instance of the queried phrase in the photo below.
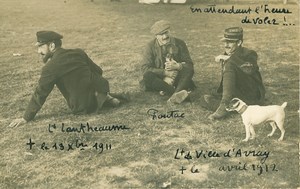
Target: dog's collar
(243, 109)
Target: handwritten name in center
(155, 114)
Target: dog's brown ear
(235, 102)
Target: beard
(47, 56)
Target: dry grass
(114, 34)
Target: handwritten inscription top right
(266, 9)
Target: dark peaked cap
(44, 37)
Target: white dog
(254, 115)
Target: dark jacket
(241, 78)
(154, 58)
(75, 75)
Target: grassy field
(144, 156)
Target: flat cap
(233, 34)
(44, 37)
(160, 27)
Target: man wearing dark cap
(240, 75)
(167, 65)
(77, 77)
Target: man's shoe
(216, 115)
(178, 97)
(123, 96)
(114, 102)
(219, 113)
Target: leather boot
(112, 101)
(179, 97)
(123, 96)
(219, 113)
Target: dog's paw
(269, 135)
(280, 139)
(245, 140)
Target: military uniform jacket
(241, 78)
(75, 75)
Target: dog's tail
(284, 105)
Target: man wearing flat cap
(77, 77)
(167, 66)
(240, 75)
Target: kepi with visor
(233, 34)
(44, 37)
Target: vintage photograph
(103, 94)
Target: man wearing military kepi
(240, 75)
(77, 77)
(167, 65)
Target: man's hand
(172, 65)
(17, 122)
(221, 57)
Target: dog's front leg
(247, 128)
